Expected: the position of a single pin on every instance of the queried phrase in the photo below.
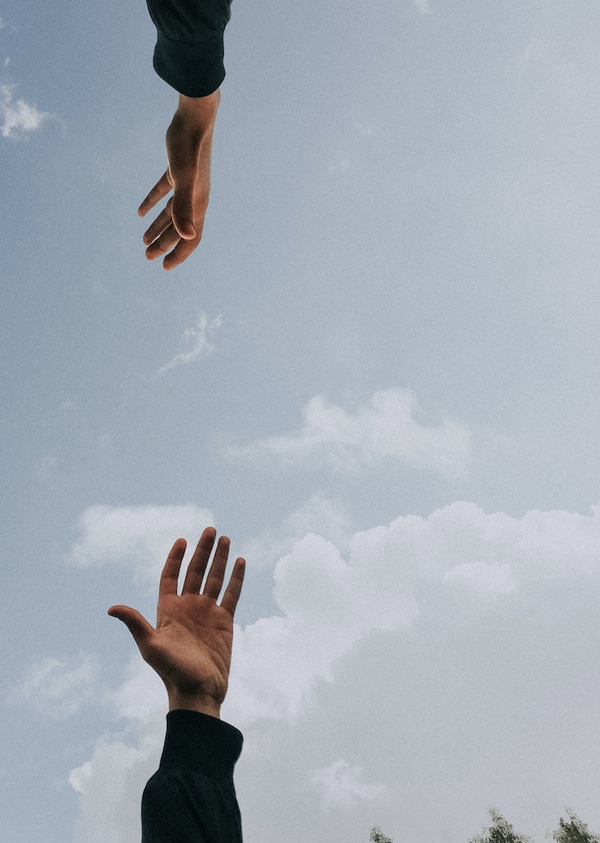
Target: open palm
(190, 648)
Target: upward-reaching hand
(190, 648)
(189, 145)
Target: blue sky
(378, 375)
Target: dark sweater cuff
(201, 743)
(193, 68)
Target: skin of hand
(190, 648)
(178, 228)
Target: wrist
(193, 702)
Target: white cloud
(56, 688)
(341, 784)
(320, 514)
(18, 117)
(197, 341)
(136, 536)
(385, 428)
(120, 765)
(487, 579)
(440, 665)
(141, 695)
(110, 785)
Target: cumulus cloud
(437, 666)
(387, 427)
(331, 603)
(197, 340)
(110, 785)
(56, 688)
(18, 117)
(320, 514)
(137, 536)
(121, 764)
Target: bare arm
(177, 230)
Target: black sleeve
(191, 798)
(189, 47)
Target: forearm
(196, 115)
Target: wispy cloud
(341, 784)
(197, 341)
(342, 165)
(367, 130)
(531, 55)
(19, 117)
(57, 689)
(384, 428)
(423, 6)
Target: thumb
(182, 168)
(182, 210)
(134, 621)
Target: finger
(160, 189)
(234, 586)
(183, 205)
(170, 572)
(183, 167)
(181, 252)
(162, 244)
(214, 579)
(162, 236)
(199, 561)
(134, 621)
(160, 224)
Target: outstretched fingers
(160, 225)
(214, 579)
(163, 186)
(199, 562)
(234, 587)
(170, 572)
(198, 567)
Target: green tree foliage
(500, 831)
(574, 831)
(377, 836)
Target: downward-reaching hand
(190, 648)
(179, 225)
